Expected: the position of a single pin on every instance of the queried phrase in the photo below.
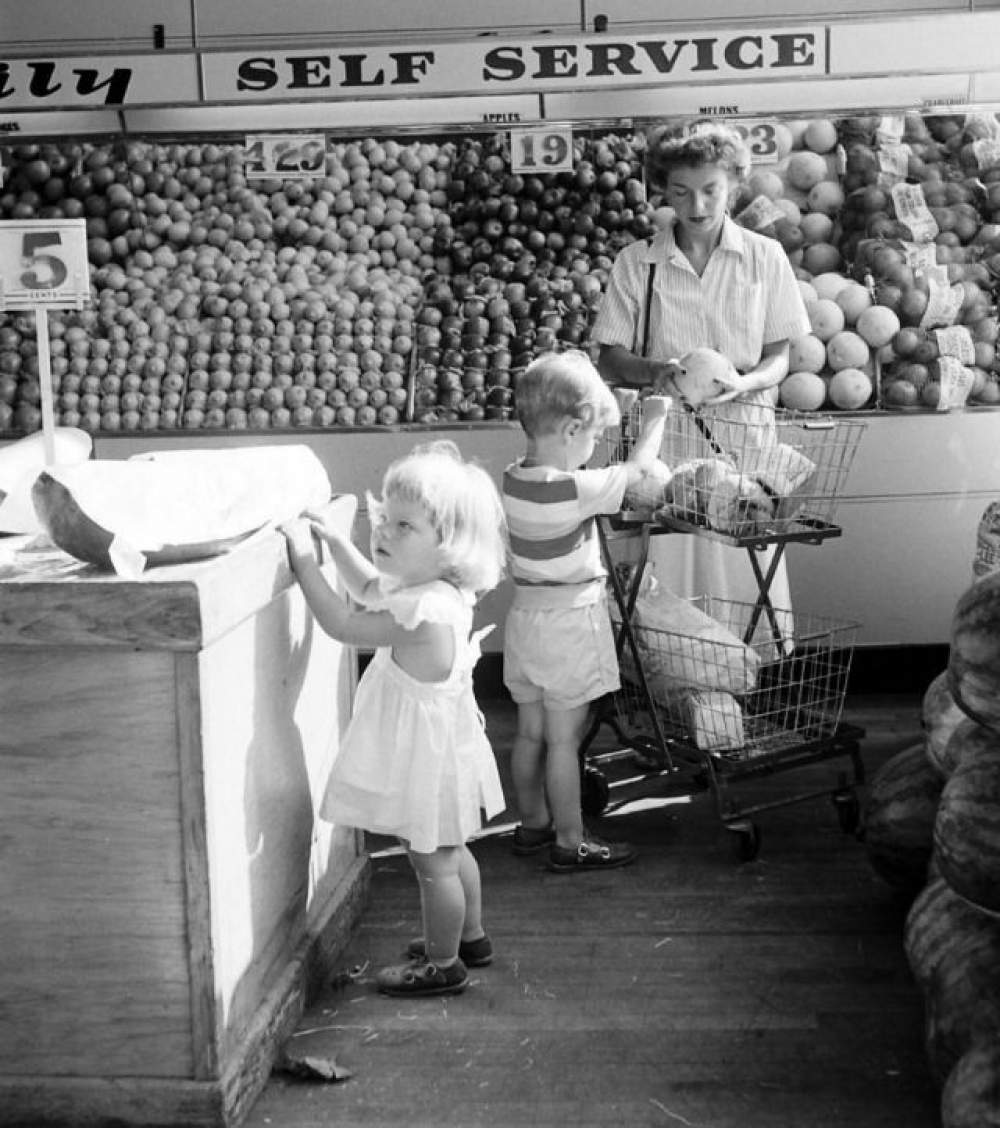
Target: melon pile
(932, 830)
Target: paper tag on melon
(943, 303)
(956, 341)
(890, 129)
(912, 211)
(761, 212)
(922, 257)
(986, 152)
(956, 382)
(894, 162)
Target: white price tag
(761, 138)
(956, 341)
(287, 156)
(761, 212)
(912, 211)
(956, 382)
(541, 150)
(43, 262)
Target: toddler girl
(415, 761)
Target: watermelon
(898, 818)
(174, 506)
(940, 716)
(974, 659)
(20, 464)
(941, 926)
(967, 831)
(962, 1005)
(971, 1095)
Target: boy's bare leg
(527, 765)
(563, 733)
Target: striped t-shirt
(555, 556)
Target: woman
(704, 281)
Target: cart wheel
(594, 791)
(848, 810)
(747, 839)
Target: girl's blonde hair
(559, 386)
(463, 506)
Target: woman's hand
(735, 385)
(663, 375)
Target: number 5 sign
(43, 262)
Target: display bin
(169, 892)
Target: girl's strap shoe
(420, 978)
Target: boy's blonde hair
(559, 386)
(463, 506)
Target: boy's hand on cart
(656, 407)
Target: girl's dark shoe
(473, 953)
(420, 978)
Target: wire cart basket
(720, 691)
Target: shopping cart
(685, 718)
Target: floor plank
(688, 989)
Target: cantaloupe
(967, 831)
(971, 1095)
(707, 373)
(650, 492)
(20, 464)
(898, 818)
(974, 658)
(175, 505)
(940, 717)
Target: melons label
(956, 341)
(761, 212)
(943, 304)
(956, 381)
(912, 211)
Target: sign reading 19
(541, 150)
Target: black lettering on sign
(256, 74)
(503, 64)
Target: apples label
(956, 341)
(912, 211)
(43, 262)
(285, 156)
(761, 212)
(541, 150)
(956, 382)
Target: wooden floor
(689, 989)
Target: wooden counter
(168, 891)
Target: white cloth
(746, 297)
(415, 760)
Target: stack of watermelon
(932, 830)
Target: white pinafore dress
(415, 761)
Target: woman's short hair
(463, 506)
(559, 386)
(670, 147)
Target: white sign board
(43, 263)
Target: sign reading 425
(43, 262)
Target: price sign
(288, 156)
(761, 138)
(541, 150)
(43, 262)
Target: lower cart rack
(746, 697)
